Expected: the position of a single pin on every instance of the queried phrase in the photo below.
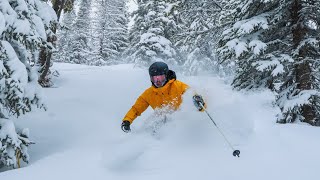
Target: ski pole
(235, 152)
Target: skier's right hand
(199, 102)
(125, 126)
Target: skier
(165, 91)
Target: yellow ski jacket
(168, 95)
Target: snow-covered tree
(275, 47)
(23, 26)
(99, 38)
(96, 35)
(153, 30)
(299, 94)
(110, 31)
(196, 39)
(116, 29)
(65, 34)
(242, 41)
(81, 52)
(13, 144)
(45, 55)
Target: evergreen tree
(99, 39)
(275, 46)
(116, 30)
(299, 97)
(45, 55)
(96, 35)
(153, 30)
(110, 32)
(23, 31)
(65, 36)
(242, 41)
(197, 37)
(81, 48)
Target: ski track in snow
(79, 137)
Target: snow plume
(156, 138)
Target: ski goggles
(159, 80)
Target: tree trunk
(303, 69)
(45, 52)
(303, 77)
(58, 7)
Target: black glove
(198, 102)
(125, 126)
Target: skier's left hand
(198, 102)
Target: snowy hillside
(79, 136)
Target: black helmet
(158, 68)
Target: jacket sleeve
(184, 87)
(139, 107)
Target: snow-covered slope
(79, 136)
